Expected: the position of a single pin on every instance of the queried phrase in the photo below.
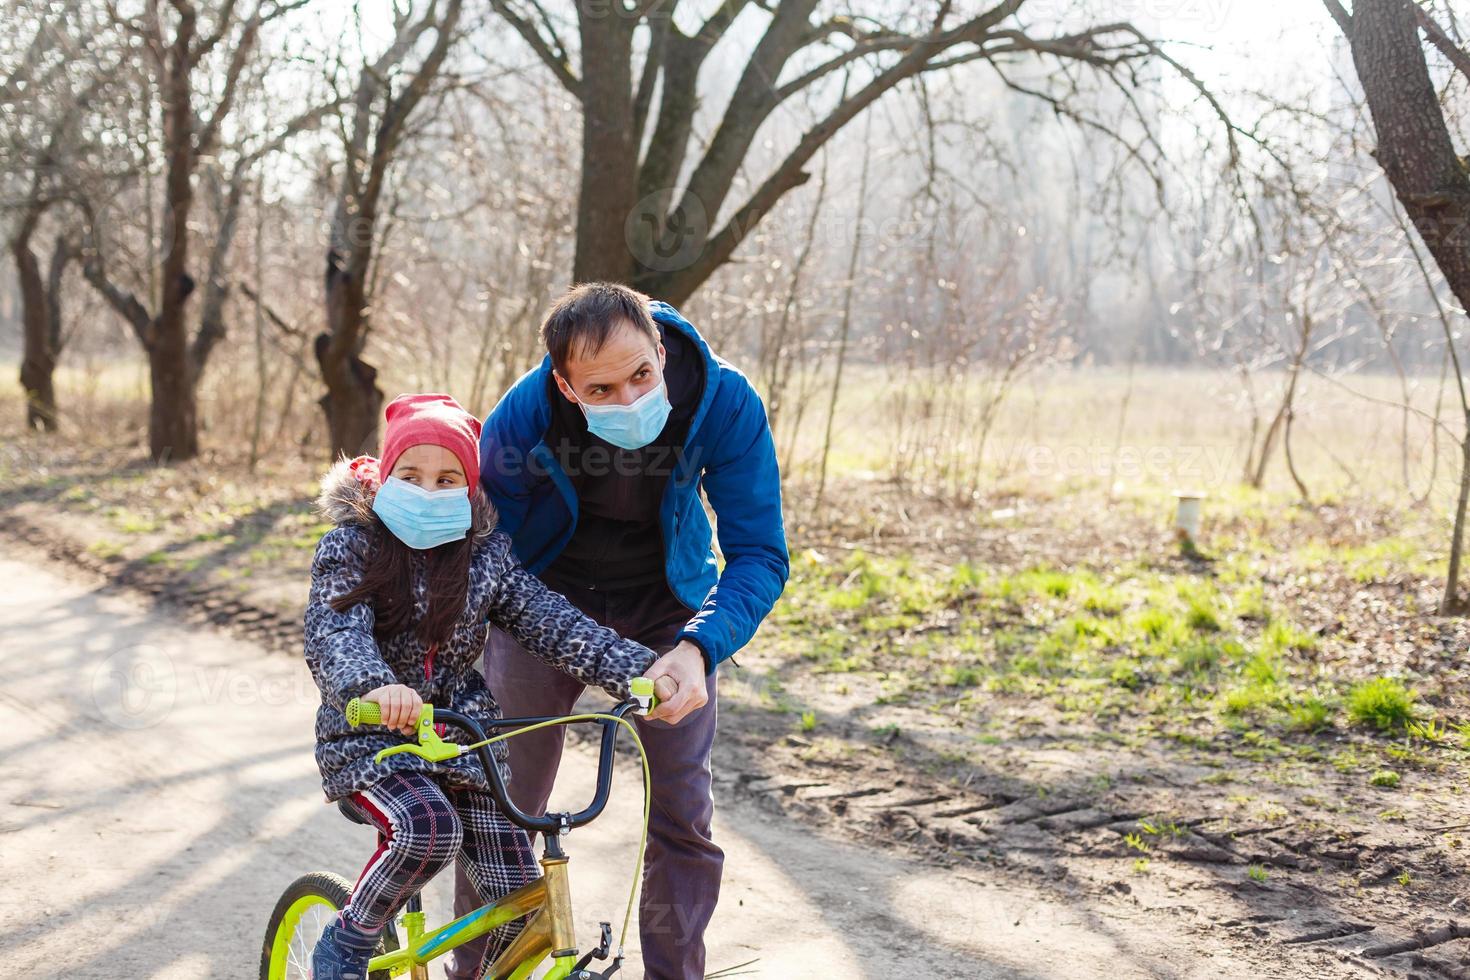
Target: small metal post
(1186, 520)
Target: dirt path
(159, 791)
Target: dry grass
(1059, 429)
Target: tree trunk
(1450, 604)
(173, 417)
(173, 431)
(38, 356)
(844, 332)
(606, 203)
(1301, 486)
(1414, 145)
(353, 400)
(379, 115)
(352, 413)
(1268, 445)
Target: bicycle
(311, 901)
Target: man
(595, 461)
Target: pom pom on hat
(365, 470)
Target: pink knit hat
(434, 420)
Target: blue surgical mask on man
(421, 518)
(629, 426)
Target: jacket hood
(346, 500)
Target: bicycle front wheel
(296, 924)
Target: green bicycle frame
(547, 902)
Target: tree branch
(756, 94)
(1340, 14)
(1105, 47)
(239, 58)
(553, 53)
(659, 29)
(289, 329)
(225, 19)
(123, 302)
(1437, 36)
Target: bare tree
(386, 96)
(640, 220)
(41, 323)
(175, 47)
(49, 90)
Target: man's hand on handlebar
(401, 706)
(682, 667)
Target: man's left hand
(684, 666)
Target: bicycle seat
(345, 807)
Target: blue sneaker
(342, 953)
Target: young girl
(403, 592)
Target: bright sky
(1249, 42)
(1249, 37)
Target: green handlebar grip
(360, 712)
(641, 690)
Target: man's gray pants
(681, 882)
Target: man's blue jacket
(728, 451)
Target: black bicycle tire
(335, 889)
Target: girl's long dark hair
(387, 581)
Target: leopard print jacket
(347, 661)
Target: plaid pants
(421, 828)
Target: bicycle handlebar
(359, 712)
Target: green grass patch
(1310, 714)
(956, 676)
(1250, 700)
(105, 549)
(131, 522)
(1102, 600)
(1152, 647)
(1383, 702)
(1200, 614)
(1280, 636)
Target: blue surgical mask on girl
(420, 518)
(629, 426)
